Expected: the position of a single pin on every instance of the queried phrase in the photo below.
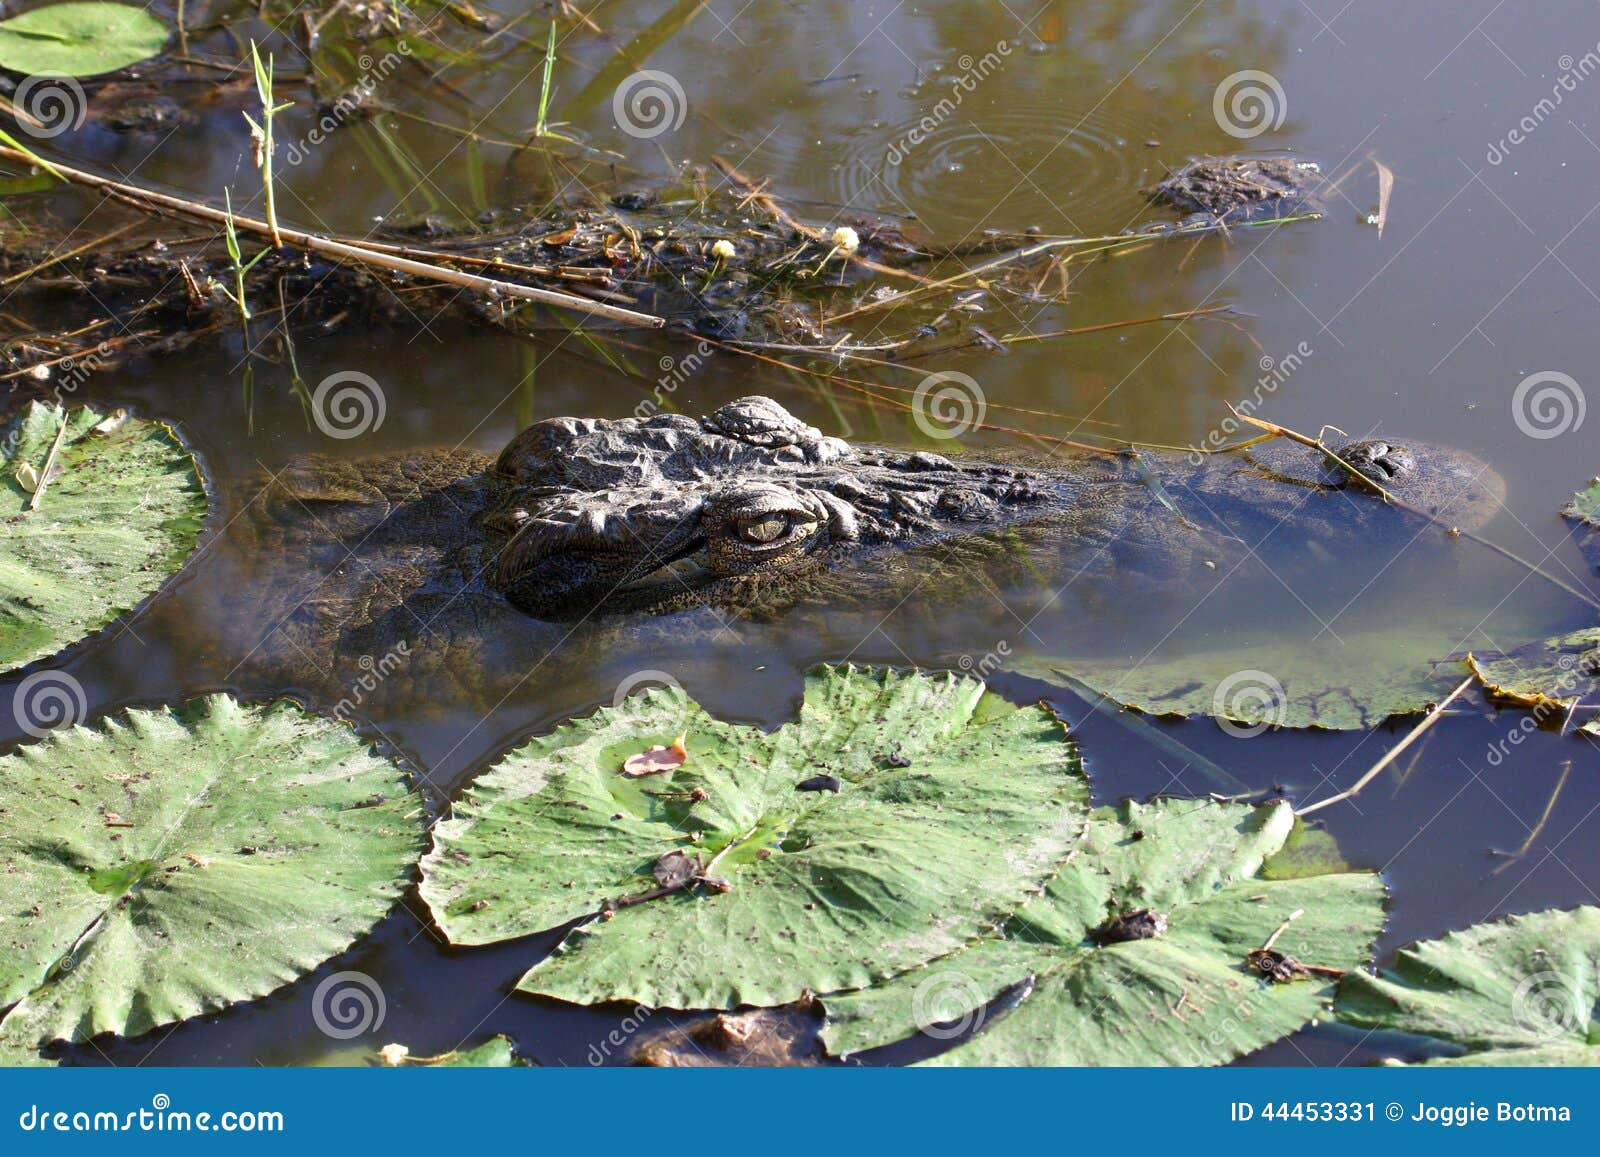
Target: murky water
(955, 119)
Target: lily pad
(1136, 953)
(494, 1053)
(1524, 990)
(1550, 672)
(1349, 683)
(951, 807)
(79, 39)
(121, 510)
(167, 863)
(1584, 511)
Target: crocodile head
(667, 512)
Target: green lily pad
(1183, 996)
(79, 39)
(1522, 990)
(1309, 851)
(16, 1054)
(1348, 683)
(119, 517)
(1584, 510)
(167, 863)
(1551, 671)
(951, 807)
(494, 1053)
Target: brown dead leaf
(657, 759)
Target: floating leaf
(1524, 990)
(953, 806)
(1094, 996)
(249, 845)
(1354, 682)
(79, 39)
(1309, 851)
(122, 514)
(494, 1053)
(1550, 672)
(658, 759)
(1584, 510)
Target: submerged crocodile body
(471, 568)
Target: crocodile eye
(764, 528)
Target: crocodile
(472, 567)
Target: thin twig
(49, 464)
(1282, 928)
(1394, 752)
(1550, 806)
(1368, 484)
(150, 201)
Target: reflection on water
(1422, 333)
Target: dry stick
(59, 257)
(761, 197)
(1120, 241)
(49, 464)
(1368, 484)
(1394, 752)
(859, 386)
(1282, 928)
(1513, 857)
(74, 355)
(150, 201)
